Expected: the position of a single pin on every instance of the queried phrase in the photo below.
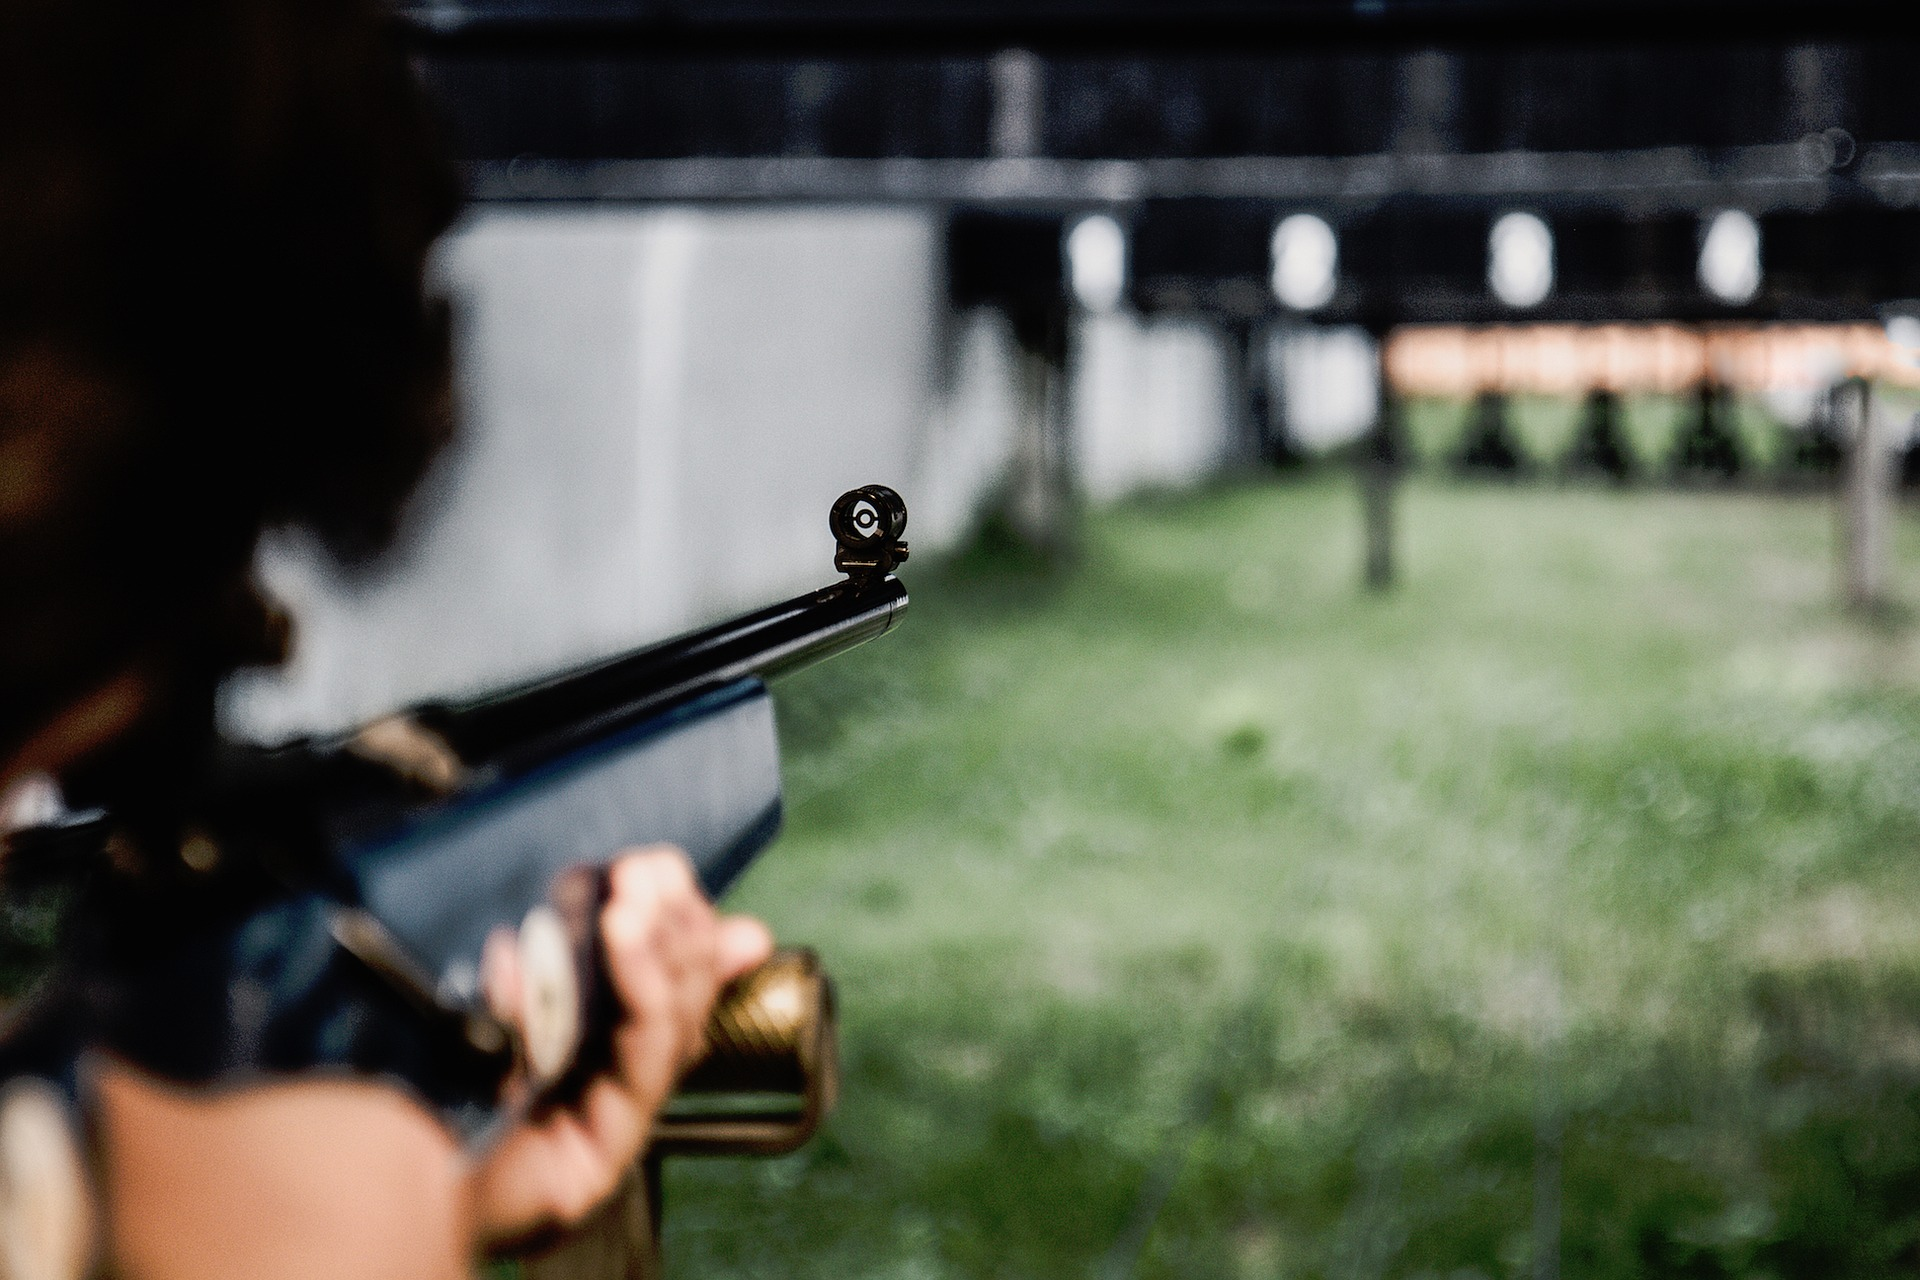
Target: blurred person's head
(214, 216)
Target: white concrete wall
(657, 410)
(1328, 384)
(961, 452)
(658, 406)
(1151, 405)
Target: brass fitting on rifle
(771, 1036)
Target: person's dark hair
(214, 216)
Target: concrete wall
(1328, 383)
(658, 406)
(657, 409)
(1151, 406)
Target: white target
(1730, 257)
(1520, 260)
(1306, 261)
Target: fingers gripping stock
(771, 1036)
(768, 1070)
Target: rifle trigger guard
(867, 523)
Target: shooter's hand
(669, 954)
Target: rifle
(328, 903)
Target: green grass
(1196, 914)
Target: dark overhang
(1409, 125)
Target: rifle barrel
(507, 728)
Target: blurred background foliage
(1195, 914)
(1545, 429)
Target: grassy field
(1196, 914)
